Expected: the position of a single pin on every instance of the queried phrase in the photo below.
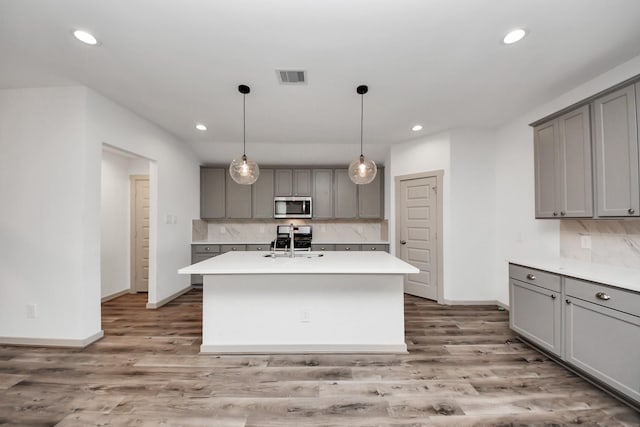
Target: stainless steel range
(302, 237)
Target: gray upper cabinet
(238, 200)
(283, 182)
(262, 194)
(302, 182)
(212, 193)
(345, 195)
(562, 153)
(616, 152)
(322, 193)
(292, 182)
(371, 197)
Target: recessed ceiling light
(416, 128)
(85, 37)
(514, 36)
(200, 126)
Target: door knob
(403, 242)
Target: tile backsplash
(265, 231)
(612, 242)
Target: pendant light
(361, 169)
(242, 170)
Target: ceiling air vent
(292, 77)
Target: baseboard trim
(304, 348)
(116, 295)
(53, 342)
(154, 305)
(475, 302)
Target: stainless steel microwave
(292, 207)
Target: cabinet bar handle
(603, 296)
(631, 211)
(531, 276)
(568, 301)
(553, 296)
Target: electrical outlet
(585, 242)
(32, 311)
(305, 315)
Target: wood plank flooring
(147, 371)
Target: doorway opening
(125, 203)
(419, 236)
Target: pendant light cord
(244, 125)
(361, 121)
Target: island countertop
(303, 263)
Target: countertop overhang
(254, 262)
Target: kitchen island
(316, 302)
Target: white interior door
(140, 237)
(417, 234)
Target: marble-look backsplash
(612, 242)
(265, 231)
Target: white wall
(174, 187)
(48, 233)
(50, 164)
(115, 243)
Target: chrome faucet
(292, 245)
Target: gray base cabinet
(536, 312)
(591, 327)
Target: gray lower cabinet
(345, 195)
(374, 247)
(212, 193)
(320, 247)
(370, 197)
(562, 153)
(232, 248)
(262, 195)
(200, 253)
(536, 311)
(261, 247)
(616, 153)
(348, 247)
(322, 193)
(592, 327)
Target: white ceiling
(439, 63)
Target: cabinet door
(371, 197)
(212, 193)
(536, 315)
(322, 193)
(345, 194)
(283, 182)
(545, 138)
(302, 182)
(262, 195)
(574, 187)
(604, 343)
(616, 140)
(238, 200)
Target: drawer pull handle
(553, 296)
(347, 249)
(374, 249)
(531, 276)
(568, 301)
(258, 249)
(207, 248)
(322, 249)
(603, 296)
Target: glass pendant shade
(244, 171)
(362, 170)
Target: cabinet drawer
(264, 247)
(232, 248)
(204, 249)
(535, 277)
(348, 247)
(606, 296)
(319, 247)
(379, 248)
(201, 257)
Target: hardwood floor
(147, 371)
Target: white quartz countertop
(319, 242)
(254, 262)
(621, 277)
